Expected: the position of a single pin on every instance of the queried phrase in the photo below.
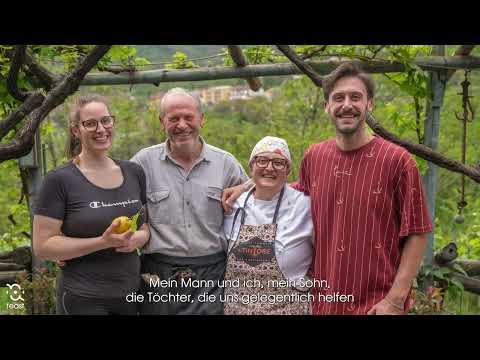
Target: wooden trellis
(440, 67)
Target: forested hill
(162, 53)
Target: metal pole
(32, 163)
(34, 181)
(432, 129)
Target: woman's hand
(113, 240)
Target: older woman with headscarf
(270, 234)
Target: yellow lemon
(124, 224)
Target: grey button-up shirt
(184, 207)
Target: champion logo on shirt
(100, 204)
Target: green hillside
(162, 53)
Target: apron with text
(251, 261)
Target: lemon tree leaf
(133, 225)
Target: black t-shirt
(86, 211)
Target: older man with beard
(185, 179)
(368, 207)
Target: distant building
(214, 95)
(271, 93)
(245, 93)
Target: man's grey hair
(179, 90)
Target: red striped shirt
(364, 204)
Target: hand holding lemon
(124, 223)
(119, 233)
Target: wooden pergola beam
(321, 67)
(447, 62)
(462, 50)
(470, 284)
(10, 277)
(222, 72)
(447, 256)
(240, 60)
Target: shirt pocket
(214, 206)
(158, 210)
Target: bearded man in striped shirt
(368, 207)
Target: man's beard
(350, 130)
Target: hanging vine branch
(425, 152)
(47, 79)
(240, 60)
(23, 142)
(302, 65)
(314, 52)
(16, 116)
(12, 78)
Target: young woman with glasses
(270, 234)
(74, 217)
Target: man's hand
(230, 195)
(132, 245)
(394, 301)
(136, 241)
(386, 307)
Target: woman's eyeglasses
(277, 164)
(92, 124)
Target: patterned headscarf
(271, 144)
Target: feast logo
(15, 292)
(100, 204)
